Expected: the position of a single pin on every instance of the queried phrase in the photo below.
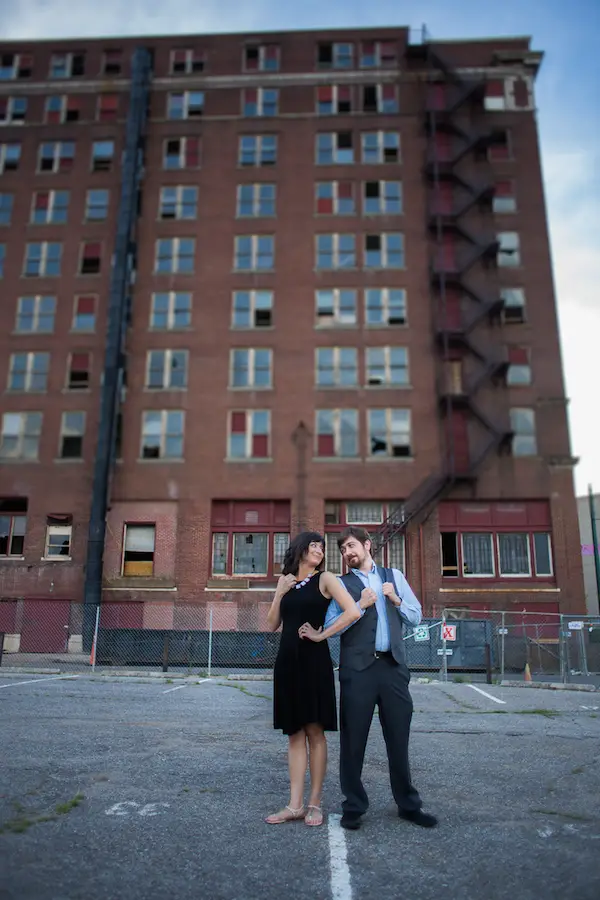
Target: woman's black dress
(303, 684)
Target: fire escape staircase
(448, 95)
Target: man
(373, 672)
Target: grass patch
(563, 815)
(547, 713)
(63, 808)
(22, 823)
(244, 690)
(578, 770)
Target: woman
(304, 690)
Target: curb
(551, 686)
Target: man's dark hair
(297, 549)
(361, 535)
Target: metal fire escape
(465, 295)
(119, 306)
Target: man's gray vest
(357, 644)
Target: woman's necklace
(300, 584)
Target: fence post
(488, 663)
(583, 654)
(165, 659)
(502, 646)
(444, 645)
(210, 634)
(95, 640)
(561, 646)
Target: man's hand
(367, 598)
(390, 591)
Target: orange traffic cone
(93, 653)
(527, 675)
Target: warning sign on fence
(448, 632)
(421, 633)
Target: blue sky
(567, 95)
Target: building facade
(586, 508)
(256, 283)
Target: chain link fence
(226, 638)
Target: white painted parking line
(178, 688)
(485, 694)
(37, 680)
(341, 888)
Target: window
(335, 147)
(382, 198)
(15, 65)
(509, 254)
(335, 251)
(58, 542)
(252, 309)
(380, 147)
(477, 555)
(500, 146)
(171, 311)
(84, 315)
(175, 255)
(249, 434)
(336, 366)
(57, 156)
(78, 371)
(387, 366)
(384, 251)
(6, 208)
(542, 554)
(364, 513)
(519, 369)
(13, 525)
(107, 109)
(505, 200)
(162, 434)
(185, 105)
(336, 433)
(138, 551)
(380, 98)
(514, 555)
(260, 102)
(50, 207)
(494, 99)
(186, 62)
(178, 202)
(385, 306)
(90, 261)
(96, 205)
(102, 156)
(251, 368)
(257, 150)
(28, 372)
(20, 437)
(514, 305)
(67, 65)
(378, 54)
(166, 369)
(61, 108)
(389, 432)
(524, 441)
(336, 307)
(35, 315)
(112, 62)
(335, 198)
(333, 99)
(335, 56)
(261, 58)
(10, 155)
(72, 430)
(255, 200)
(13, 110)
(254, 252)
(42, 259)
(249, 541)
(181, 153)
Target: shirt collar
(371, 572)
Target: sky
(567, 92)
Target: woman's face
(314, 554)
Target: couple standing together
(368, 607)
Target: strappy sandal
(280, 817)
(315, 817)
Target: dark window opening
(370, 98)
(449, 554)
(325, 55)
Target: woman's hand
(285, 584)
(307, 631)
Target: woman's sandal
(292, 815)
(315, 817)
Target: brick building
(253, 283)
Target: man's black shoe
(350, 821)
(418, 817)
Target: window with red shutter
(73, 109)
(238, 422)
(3, 108)
(344, 189)
(325, 93)
(344, 99)
(504, 197)
(251, 95)
(494, 96)
(518, 356)
(42, 200)
(79, 371)
(326, 445)
(192, 152)
(260, 446)
(91, 259)
(388, 53)
(108, 107)
(325, 204)
(112, 62)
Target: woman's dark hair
(297, 549)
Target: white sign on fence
(503, 631)
(448, 632)
(575, 626)
(421, 633)
(447, 652)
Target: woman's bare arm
(332, 588)
(274, 615)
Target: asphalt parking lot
(116, 788)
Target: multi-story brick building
(283, 280)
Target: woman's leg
(317, 744)
(297, 762)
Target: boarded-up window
(138, 552)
